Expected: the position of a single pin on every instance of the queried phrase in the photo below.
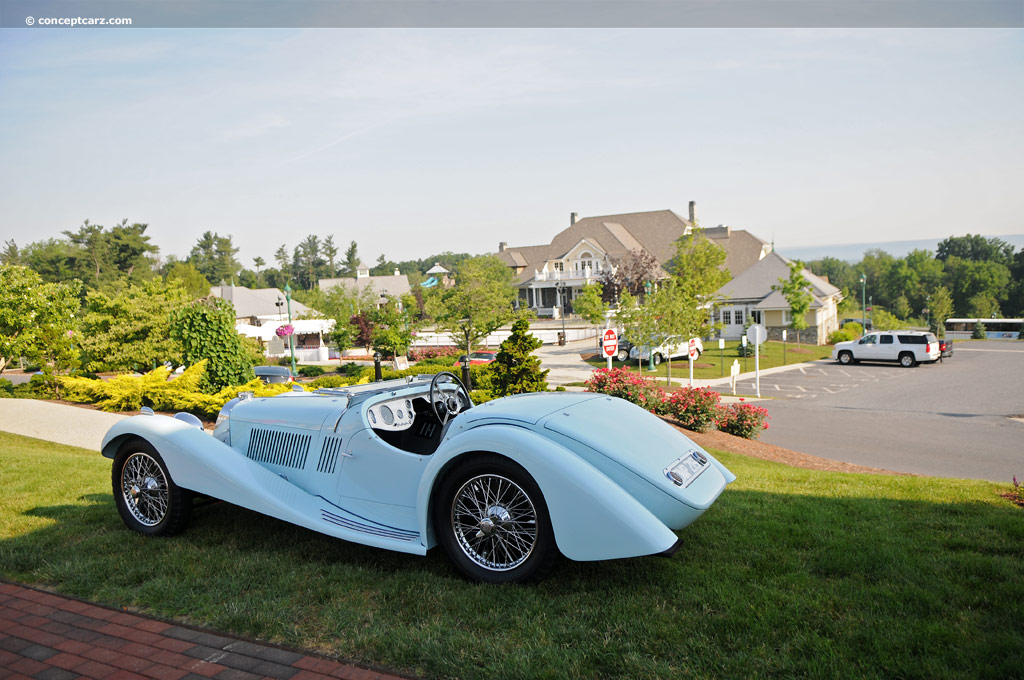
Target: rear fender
(592, 517)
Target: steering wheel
(449, 405)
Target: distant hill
(854, 252)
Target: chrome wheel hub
(144, 488)
(494, 522)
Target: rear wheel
(907, 360)
(846, 358)
(147, 498)
(657, 359)
(623, 355)
(492, 520)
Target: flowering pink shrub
(434, 352)
(619, 382)
(695, 408)
(742, 420)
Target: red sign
(610, 343)
(694, 354)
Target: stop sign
(610, 343)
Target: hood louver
(287, 449)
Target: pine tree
(515, 370)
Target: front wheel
(492, 520)
(147, 498)
(907, 360)
(846, 358)
(657, 359)
(623, 355)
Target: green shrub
(854, 328)
(841, 335)
(6, 388)
(310, 371)
(742, 420)
(979, 332)
(695, 408)
(515, 369)
(480, 396)
(338, 381)
(132, 392)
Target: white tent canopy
(302, 327)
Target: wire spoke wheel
(144, 488)
(146, 497)
(494, 522)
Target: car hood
(298, 411)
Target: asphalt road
(949, 419)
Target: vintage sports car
(411, 463)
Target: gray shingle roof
(257, 302)
(756, 283)
(395, 286)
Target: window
(756, 316)
(739, 317)
(558, 266)
(886, 339)
(787, 317)
(727, 316)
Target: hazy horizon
(412, 142)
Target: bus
(995, 329)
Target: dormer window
(558, 266)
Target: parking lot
(952, 419)
(821, 378)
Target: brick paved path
(49, 637)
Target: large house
(749, 298)
(381, 287)
(579, 254)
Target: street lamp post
(863, 303)
(560, 287)
(291, 336)
(650, 349)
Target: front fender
(592, 517)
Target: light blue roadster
(406, 464)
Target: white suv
(672, 348)
(909, 348)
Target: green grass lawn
(714, 363)
(791, 573)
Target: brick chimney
(502, 245)
(572, 218)
(693, 212)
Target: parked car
(673, 348)
(866, 323)
(946, 347)
(411, 463)
(909, 348)
(273, 374)
(476, 358)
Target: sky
(413, 142)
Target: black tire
(623, 355)
(474, 537)
(657, 359)
(907, 360)
(147, 498)
(846, 358)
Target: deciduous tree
(478, 304)
(37, 318)
(797, 291)
(205, 329)
(589, 303)
(130, 330)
